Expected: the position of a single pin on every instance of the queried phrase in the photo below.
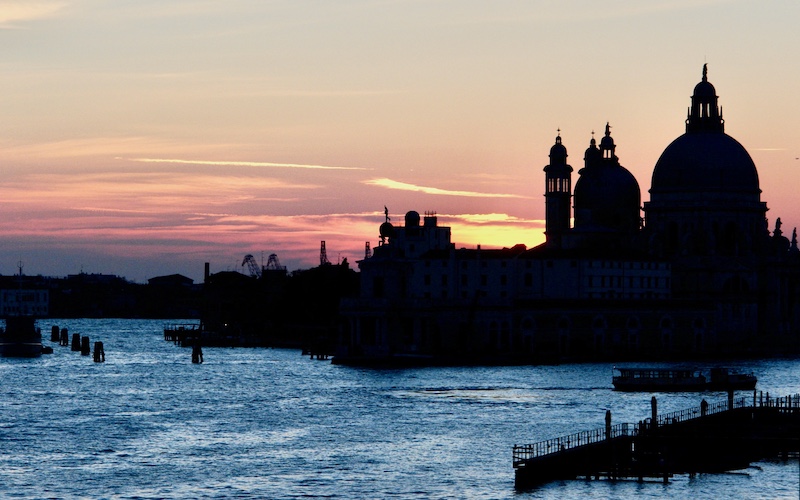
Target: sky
(146, 137)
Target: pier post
(608, 424)
(730, 399)
(85, 350)
(197, 354)
(99, 353)
(654, 411)
(76, 342)
(54, 333)
(703, 408)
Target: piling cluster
(79, 343)
(186, 335)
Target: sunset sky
(146, 137)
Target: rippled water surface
(269, 423)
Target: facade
(24, 302)
(694, 272)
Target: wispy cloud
(403, 186)
(16, 11)
(243, 164)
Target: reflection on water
(269, 423)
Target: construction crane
(323, 255)
(273, 264)
(252, 265)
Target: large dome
(705, 161)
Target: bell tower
(558, 194)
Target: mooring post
(730, 399)
(85, 350)
(654, 411)
(703, 408)
(197, 354)
(99, 353)
(76, 342)
(54, 337)
(608, 424)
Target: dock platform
(723, 436)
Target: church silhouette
(692, 273)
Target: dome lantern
(704, 114)
(607, 146)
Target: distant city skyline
(144, 139)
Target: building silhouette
(692, 273)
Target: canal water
(270, 423)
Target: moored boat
(20, 338)
(680, 380)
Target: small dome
(558, 153)
(609, 189)
(704, 89)
(412, 219)
(607, 142)
(706, 161)
(387, 230)
(592, 153)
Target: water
(269, 423)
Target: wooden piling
(76, 342)
(99, 353)
(197, 354)
(85, 349)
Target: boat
(680, 380)
(20, 338)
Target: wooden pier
(183, 334)
(717, 437)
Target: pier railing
(692, 413)
(783, 404)
(526, 452)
